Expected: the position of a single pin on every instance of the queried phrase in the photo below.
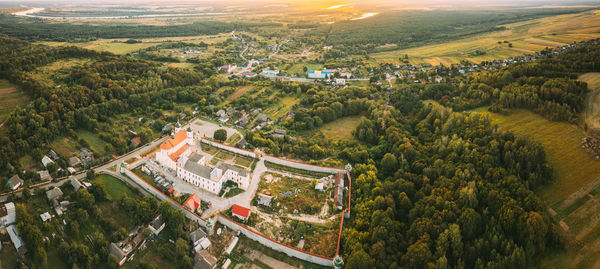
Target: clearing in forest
(10, 97)
(340, 128)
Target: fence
(235, 150)
(263, 240)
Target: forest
(33, 29)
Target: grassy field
(115, 188)
(592, 111)
(239, 92)
(10, 97)
(526, 37)
(96, 144)
(340, 128)
(283, 107)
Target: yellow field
(341, 128)
(526, 37)
(117, 46)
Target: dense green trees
(220, 134)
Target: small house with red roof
(240, 212)
(193, 203)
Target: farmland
(573, 196)
(525, 37)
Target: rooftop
(225, 166)
(241, 211)
(197, 169)
(175, 140)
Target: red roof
(176, 154)
(193, 202)
(175, 140)
(136, 140)
(241, 211)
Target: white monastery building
(182, 154)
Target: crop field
(284, 105)
(340, 128)
(573, 196)
(10, 97)
(592, 111)
(239, 92)
(526, 37)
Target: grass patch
(156, 253)
(64, 146)
(96, 144)
(563, 213)
(115, 188)
(233, 139)
(303, 196)
(340, 128)
(243, 161)
(10, 98)
(295, 171)
(223, 155)
(573, 166)
(246, 243)
(239, 92)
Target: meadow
(526, 37)
(340, 128)
(10, 97)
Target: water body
(366, 15)
(32, 13)
(338, 6)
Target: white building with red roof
(240, 212)
(179, 144)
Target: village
(225, 191)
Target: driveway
(207, 128)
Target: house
(240, 212)
(320, 186)
(270, 73)
(76, 184)
(15, 182)
(317, 74)
(16, 239)
(241, 144)
(264, 199)
(136, 141)
(45, 217)
(176, 146)
(46, 161)
(53, 155)
(197, 235)
(86, 155)
(340, 81)
(223, 119)
(261, 117)
(157, 225)
(280, 132)
(54, 194)
(221, 113)
(44, 175)
(193, 203)
(234, 173)
(204, 260)
(338, 194)
(71, 170)
(74, 161)
(8, 214)
(118, 253)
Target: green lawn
(96, 144)
(115, 188)
(340, 128)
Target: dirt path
(269, 261)
(583, 191)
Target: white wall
(230, 148)
(303, 166)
